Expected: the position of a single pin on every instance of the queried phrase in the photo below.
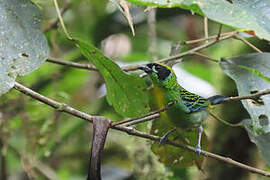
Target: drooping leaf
(241, 14)
(23, 47)
(124, 91)
(247, 83)
(173, 156)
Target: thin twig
(72, 64)
(53, 24)
(205, 22)
(67, 109)
(204, 39)
(142, 120)
(152, 34)
(205, 56)
(219, 31)
(252, 96)
(84, 66)
(135, 67)
(246, 42)
(225, 122)
(191, 51)
(146, 115)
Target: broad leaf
(241, 14)
(173, 156)
(247, 83)
(23, 47)
(124, 91)
(256, 72)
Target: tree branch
(209, 38)
(252, 96)
(67, 109)
(72, 64)
(205, 22)
(135, 67)
(146, 115)
(247, 43)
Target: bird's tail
(216, 99)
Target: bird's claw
(163, 139)
(198, 150)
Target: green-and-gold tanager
(188, 110)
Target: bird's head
(161, 74)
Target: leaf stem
(225, 122)
(61, 19)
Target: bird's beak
(146, 69)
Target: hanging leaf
(173, 156)
(251, 16)
(248, 82)
(124, 91)
(23, 47)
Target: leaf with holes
(173, 156)
(258, 127)
(247, 15)
(23, 47)
(124, 91)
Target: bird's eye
(158, 68)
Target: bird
(188, 110)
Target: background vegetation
(39, 142)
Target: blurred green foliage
(32, 132)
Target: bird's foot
(198, 147)
(198, 150)
(164, 139)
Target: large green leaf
(173, 156)
(23, 47)
(258, 127)
(124, 91)
(241, 14)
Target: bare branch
(252, 96)
(225, 122)
(135, 67)
(246, 42)
(209, 38)
(191, 51)
(205, 56)
(146, 115)
(67, 109)
(219, 31)
(228, 160)
(152, 34)
(205, 22)
(71, 64)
